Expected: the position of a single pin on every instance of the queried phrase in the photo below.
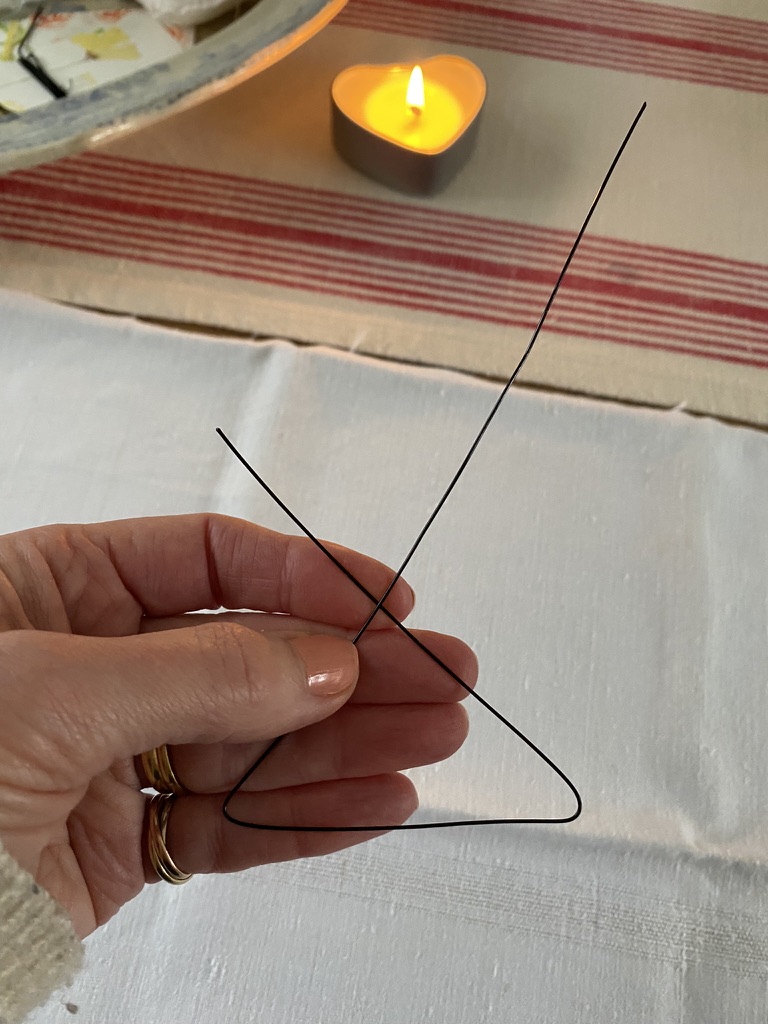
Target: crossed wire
(379, 604)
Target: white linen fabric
(609, 566)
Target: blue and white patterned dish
(254, 41)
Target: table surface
(608, 565)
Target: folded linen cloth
(609, 566)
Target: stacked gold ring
(159, 771)
(161, 776)
(160, 858)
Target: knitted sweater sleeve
(39, 951)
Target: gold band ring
(165, 868)
(159, 770)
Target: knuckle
(453, 731)
(462, 723)
(238, 657)
(217, 843)
(42, 719)
(24, 658)
(290, 571)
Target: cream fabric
(608, 564)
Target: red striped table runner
(653, 39)
(197, 220)
(472, 268)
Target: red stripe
(336, 205)
(640, 21)
(675, 19)
(529, 244)
(669, 324)
(523, 316)
(632, 315)
(278, 212)
(398, 253)
(632, 256)
(593, 27)
(600, 58)
(577, 50)
(259, 229)
(345, 292)
(268, 276)
(511, 27)
(679, 350)
(87, 245)
(281, 209)
(629, 313)
(710, 52)
(636, 319)
(454, 287)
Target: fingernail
(330, 661)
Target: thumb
(90, 700)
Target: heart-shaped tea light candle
(411, 128)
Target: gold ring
(165, 868)
(159, 770)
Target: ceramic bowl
(250, 43)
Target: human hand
(99, 661)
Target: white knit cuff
(39, 951)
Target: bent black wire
(378, 604)
(414, 639)
(32, 64)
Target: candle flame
(414, 95)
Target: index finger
(168, 565)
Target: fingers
(200, 840)
(109, 574)
(393, 669)
(356, 742)
(70, 706)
